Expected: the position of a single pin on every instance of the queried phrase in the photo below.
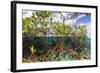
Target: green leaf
(32, 48)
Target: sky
(82, 19)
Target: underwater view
(49, 36)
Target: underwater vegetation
(46, 39)
(54, 49)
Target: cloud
(27, 13)
(82, 15)
(83, 19)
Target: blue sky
(82, 19)
(85, 19)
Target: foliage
(32, 48)
(40, 30)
